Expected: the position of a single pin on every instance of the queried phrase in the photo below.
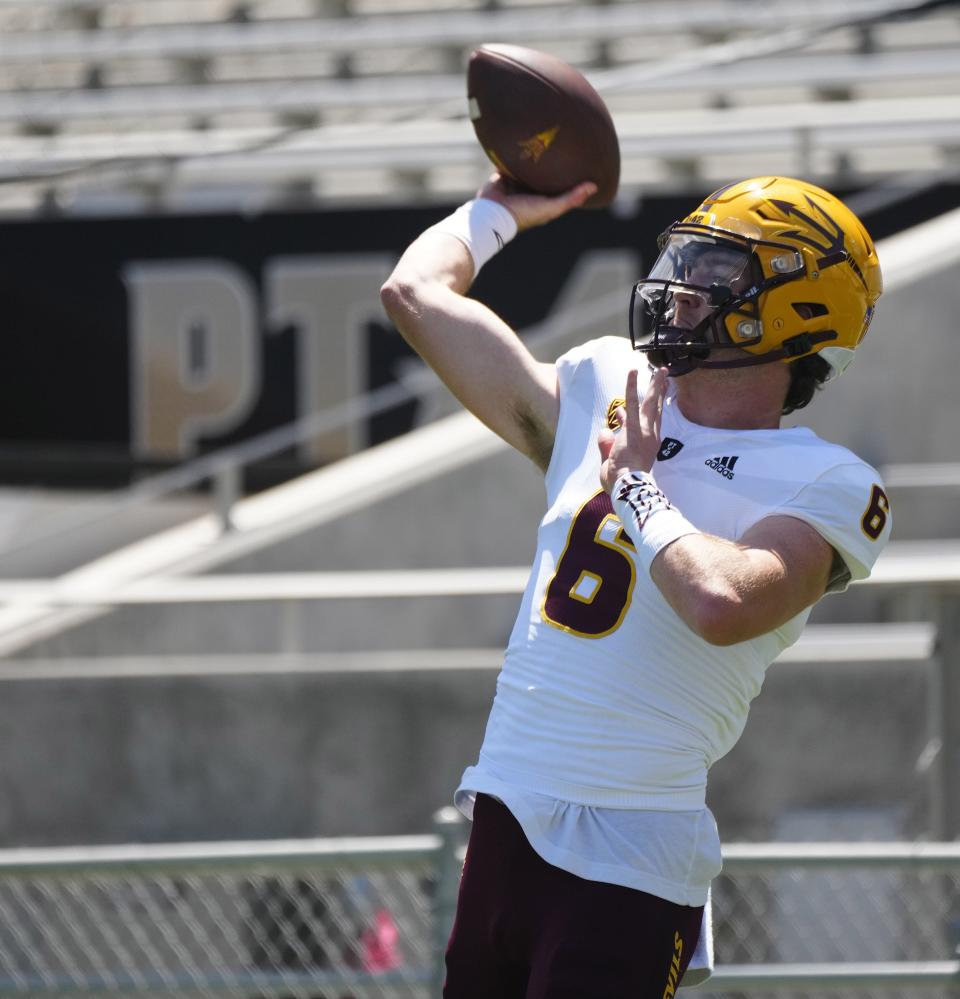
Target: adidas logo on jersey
(723, 466)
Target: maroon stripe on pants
(525, 929)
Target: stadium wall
(169, 336)
(126, 756)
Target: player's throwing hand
(534, 209)
(635, 447)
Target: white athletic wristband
(647, 515)
(483, 226)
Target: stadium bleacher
(364, 101)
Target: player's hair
(807, 374)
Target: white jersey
(606, 698)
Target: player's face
(710, 274)
(692, 278)
(683, 305)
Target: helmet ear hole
(810, 310)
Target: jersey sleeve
(847, 505)
(607, 357)
(568, 363)
(589, 377)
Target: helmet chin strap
(686, 359)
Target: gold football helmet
(776, 267)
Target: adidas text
(724, 466)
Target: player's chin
(715, 355)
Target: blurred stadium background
(222, 652)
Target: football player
(686, 538)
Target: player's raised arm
(477, 355)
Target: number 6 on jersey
(591, 589)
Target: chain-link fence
(269, 933)
(367, 918)
(886, 916)
(344, 919)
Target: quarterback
(686, 538)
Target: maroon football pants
(527, 930)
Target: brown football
(541, 123)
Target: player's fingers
(579, 194)
(605, 443)
(553, 208)
(492, 188)
(631, 419)
(649, 409)
(659, 391)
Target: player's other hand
(534, 209)
(634, 447)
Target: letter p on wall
(194, 346)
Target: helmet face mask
(776, 268)
(697, 285)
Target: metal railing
(369, 917)
(934, 565)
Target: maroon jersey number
(591, 589)
(875, 516)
